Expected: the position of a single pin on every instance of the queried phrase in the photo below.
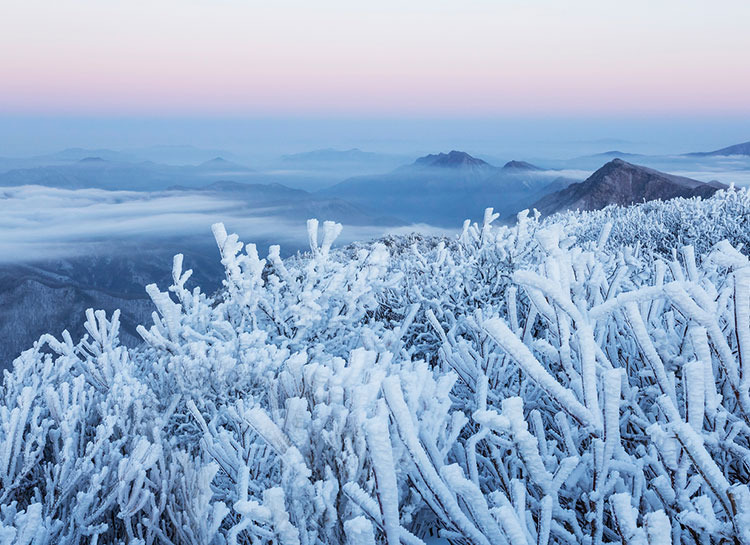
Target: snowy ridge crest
(582, 379)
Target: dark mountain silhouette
(737, 149)
(92, 160)
(216, 161)
(520, 165)
(622, 183)
(453, 159)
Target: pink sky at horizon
(479, 57)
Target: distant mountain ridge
(223, 165)
(520, 165)
(616, 154)
(99, 172)
(452, 159)
(737, 149)
(622, 183)
(174, 155)
(330, 154)
(443, 189)
(79, 154)
(352, 161)
(92, 160)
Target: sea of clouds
(40, 223)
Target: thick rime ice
(581, 379)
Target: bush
(574, 380)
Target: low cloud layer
(739, 178)
(39, 223)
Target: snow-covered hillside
(579, 379)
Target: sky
(353, 59)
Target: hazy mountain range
(125, 240)
(97, 172)
(446, 188)
(329, 159)
(737, 149)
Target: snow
(381, 452)
(576, 379)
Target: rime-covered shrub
(583, 379)
(661, 227)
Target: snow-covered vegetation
(581, 379)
